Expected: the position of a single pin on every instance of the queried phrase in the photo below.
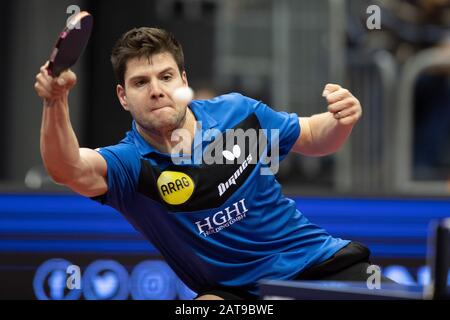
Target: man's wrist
(54, 102)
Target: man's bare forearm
(81, 169)
(328, 135)
(59, 144)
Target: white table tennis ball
(183, 95)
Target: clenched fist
(49, 88)
(345, 108)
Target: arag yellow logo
(175, 187)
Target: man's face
(147, 93)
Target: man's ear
(121, 94)
(184, 78)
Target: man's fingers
(49, 87)
(345, 108)
(330, 88)
(43, 81)
(342, 104)
(44, 69)
(42, 91)
(61, 81)
(44, 74)
(346, 112)
(67, 79)
(338, 95)
(349, 120)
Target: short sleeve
(123, 167)
(285, 125)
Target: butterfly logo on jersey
(236, 153)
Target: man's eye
(139, 83)
(167, 77)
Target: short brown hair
(144, 42)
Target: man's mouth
(159, 107)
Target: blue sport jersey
(217, 213)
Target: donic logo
(175, 187)
(232, 180)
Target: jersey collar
(200, 114)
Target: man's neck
(162, 140)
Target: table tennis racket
(70, 43)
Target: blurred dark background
(383, 188)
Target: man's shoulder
(121, 147)
(227, 103)
(234, 97)
(126, 149)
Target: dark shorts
(352, 254)
(348, 264)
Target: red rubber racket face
(71, 43)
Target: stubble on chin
(165, 125)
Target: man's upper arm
(303, 144)
(92, 179)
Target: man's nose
(156, 91)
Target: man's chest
(228, 162)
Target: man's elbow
(59, 178)
(60, 175)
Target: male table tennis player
(223, 226)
